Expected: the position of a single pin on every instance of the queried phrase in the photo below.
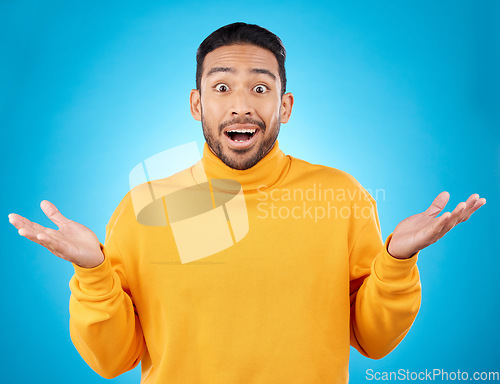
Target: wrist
(399, 255)
(94, 261)
(91, 264)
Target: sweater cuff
(97, 280)
(389, 268)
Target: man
(297, 283)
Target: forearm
(103, 324)
(386, 304)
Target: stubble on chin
(237, 159)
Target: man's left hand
(418, 231)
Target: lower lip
(242, 144)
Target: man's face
(240, 107)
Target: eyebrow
(233, 70)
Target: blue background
(403, 95)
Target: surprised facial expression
(240, 106)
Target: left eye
(260, 88)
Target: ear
(286, 107)
(195, 103)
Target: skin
(240, 97)
(423, 229)
(244, 102)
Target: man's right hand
(72, 241)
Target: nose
(241, 104)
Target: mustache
(242, 120)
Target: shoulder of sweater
(330, 176)
(121, 209)
(324, 171)
(141, 195)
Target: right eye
(221, 87)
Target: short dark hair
(242, 33)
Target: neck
(267, 172)
(225, 162)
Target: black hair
(242, 33)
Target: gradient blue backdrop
(403, 95)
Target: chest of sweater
(285, 273)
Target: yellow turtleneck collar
(267, 172)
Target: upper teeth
(243, 130)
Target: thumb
(438, 204)
(53, 213)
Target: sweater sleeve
(104, 325)
(385, 292)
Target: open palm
(418, 231)
(72, 241)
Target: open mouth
(240, 135)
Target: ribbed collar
(267, 172)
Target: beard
(236, 159)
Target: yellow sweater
(291, 270)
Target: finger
(34, 233)
(17, 220)
(452, 219)
(25, 227)
(436, 229)
(479, 203)
(438, 204)
(53, 213)
(471, 201)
